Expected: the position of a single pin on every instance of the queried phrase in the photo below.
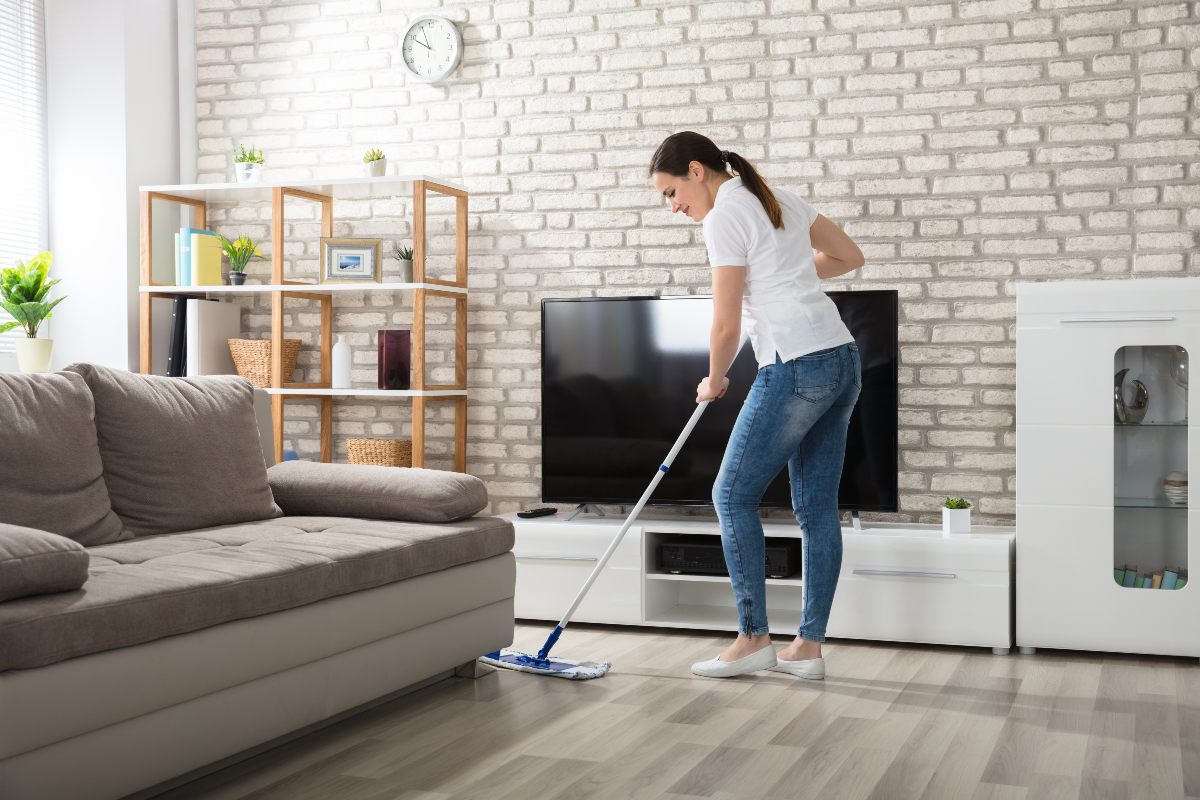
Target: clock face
(431, 47)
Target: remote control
(537, 512)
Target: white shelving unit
(310, 288)
(898, 583)
(1090, 498)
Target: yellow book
(206, 260)
(1156, 581)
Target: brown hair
(680, 149)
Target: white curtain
(23, 171)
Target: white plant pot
(376, 168)
(33, 355)
(247, 172)
(406, 274)
(956, 520)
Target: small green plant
(403, 252)
(244, 156)
(373, 155)
(239, 252)
(957, 502)
(23, 291)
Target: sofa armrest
(307, 488)
(38, 562)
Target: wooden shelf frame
(422, 392)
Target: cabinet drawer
(546, 586)
(987, 559)
(567, 544)
(933, 606)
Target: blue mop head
(553, 667)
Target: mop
(542, 663)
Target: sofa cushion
(361, 490)
(151, 587)
(51, 477)
(179, 453)
(36, 562)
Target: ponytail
(754, 182)
(680, 149)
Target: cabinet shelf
(667, 576)
(1182, 424)
(306, 288)
(323, 392)
(1147, 502)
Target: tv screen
(619, 381)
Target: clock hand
(427, 47)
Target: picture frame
(349, 260)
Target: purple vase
(395, 359)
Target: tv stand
(899, 582)
(582, 507)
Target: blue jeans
(796, 414)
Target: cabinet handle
(1156, 318)
(557, 558)
(907, 573)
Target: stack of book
(197, 258)
(1172, 578)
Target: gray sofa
(170, 602)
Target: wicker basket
(380, 452)
(252, 357)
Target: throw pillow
(37, 562)
(179, 453)
(51, 476)
(307, 488)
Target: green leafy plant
(404, 253)
(23, 291)
(957, 502)
(244, 156)
(373, 155)
(239, 252)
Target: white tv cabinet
(903, 583)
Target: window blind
(23, 170)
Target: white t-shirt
(784, 310)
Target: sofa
(171, 601)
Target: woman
(768, 252)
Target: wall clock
(431, 48)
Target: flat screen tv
(619, 381)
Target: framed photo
(349, 260)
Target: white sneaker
(716, 668)
(812, 669)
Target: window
(23, 172)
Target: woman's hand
(706, 390)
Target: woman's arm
(729, 283)
(835, 253)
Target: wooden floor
(890, 721)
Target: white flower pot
(406, 274)
(956, 520)
(33, 355)
(247, 172)
(376, 168)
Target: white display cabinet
(1106, 435)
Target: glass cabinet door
(1150, 452)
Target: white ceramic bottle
(341, 363)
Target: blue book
(1130, 576)
(1146, 581)
(1170, 578)
(185, 253)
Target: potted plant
(23, 291)
(247, 164)
(376, 163)
(404, 254)
(239, 252)
(956, 516)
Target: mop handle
(637, 509)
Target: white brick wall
(965, 144)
